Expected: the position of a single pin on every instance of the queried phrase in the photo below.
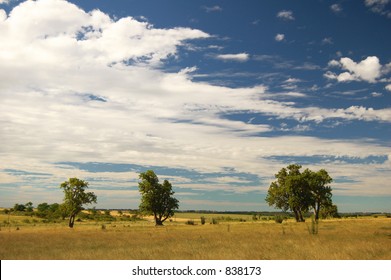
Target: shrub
(190, 222)
(278, 219)
(314, 226)
(214, 221)
(103, 227)
(203, 220)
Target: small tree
(29, 206)
(329, 211)
(75, 196)
(19, 207)
(156, 198)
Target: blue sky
(215, 96)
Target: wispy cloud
(212, 9)
(327, 41)
(379, 6)
(240, 57)
(336, 8)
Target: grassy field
(366, 238)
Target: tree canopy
(156, 199)
(300, 191)
(75, 196)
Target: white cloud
(379, 7)
(388, 87)
(334, 63)
(212, 9)
(376, 94)
(292, 80)
(279, 37)
(369, 70)
(55, 57)
(240, 57)
(285, 15)
(336, 8)
(327, 41)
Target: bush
(203, 220)
(314, 226)
(214, 221)
(190, 222)
(278, 219)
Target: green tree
(43, 209)
(320, 191)
(289, 192)
(19, 207)
(299, 192)
(75, 196)
(329, 211)
(63, 211)
(156, 199)
(29, 206)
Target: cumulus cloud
(240, 57)
(388, 87)
(285, 15)
(368, 70)
(279, 37)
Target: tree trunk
(158, 222)
(72, 220)
(296, 215)
(317, 209)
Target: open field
(355, 238)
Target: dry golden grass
(365, 238)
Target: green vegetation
(75, 196)
(156, 199)
(300, 191)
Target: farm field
(366, 238)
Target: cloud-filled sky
(215, 96)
